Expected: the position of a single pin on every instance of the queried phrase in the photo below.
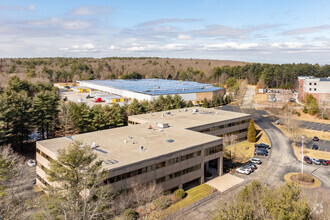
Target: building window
(160, 165)
(314, 89)
(310, 84)
(314, 84)
(212, 150)
(310, 89)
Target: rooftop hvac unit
(195, 110)
(162, 125)
(168, 112)
(125, 141)
(185, 110)
(141, 148)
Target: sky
(266, 31)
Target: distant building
(149, 89)
(172, 148)
(318, 87)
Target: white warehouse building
(149, 89)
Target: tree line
(34, 111)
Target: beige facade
(173, 149)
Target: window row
(42, 167)
(177, 174)
(152, 167)
(44, 155)
(224, 126)
(42, 180)
(212, 150)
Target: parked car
(323, 162)
(261, 149)
(315, 147)
(255, 160)
(262, 145)
(250, 164)
(316, 161)
(316, 138)
(262, 153)
(99, 100)
(31, 163)
(328, 162)
(243, 170)
(292, 100)
(307, 159)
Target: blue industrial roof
(156, 86)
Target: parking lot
(322, 144)
(315, 126)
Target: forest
(206, 71)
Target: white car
(31, 163)
(255, 160)
(243, 170)
(316, 161)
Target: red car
(98, 100)
(328, 161)
(316, 138)
(307, 160)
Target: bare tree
(16, 184)
(229, 140)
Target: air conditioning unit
(162, 125)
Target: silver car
(255, 160)
(243, 170)
(316, 161)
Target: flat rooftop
(116, 153)
(156, 86)
(185, 118)
(116, 147)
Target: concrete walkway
(225, 182)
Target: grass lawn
(193, 195)
(260, 98)
(245, 150)
(308, 117)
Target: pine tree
(252, 132)
(45, 106)
(206, 103)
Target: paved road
(248, 97)
(282, 159)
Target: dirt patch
(296, 178)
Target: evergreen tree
(215, 101)
(135, 108)
(82, 117)
(45, 106)
(15, 116)
(79, 192)
(65, 124)
(206, 103)
(178, 102)
(252, 132)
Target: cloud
(307, 30)
(229, 32)
(17, 8)
(66, 24)
(287, 45)
(169, 20)
(91, 10)
(184, 37)
(231, 46)
(88, 47)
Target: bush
(162, 202)
(180, 193)
(305, 177)
(305, 110)
(130, 214)
(325, 117)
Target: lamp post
(302, 154)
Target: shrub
(305, 110)
(162, 202)
(129, 214)
(305, 177)
(325, 117)
(180, 193)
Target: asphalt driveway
(322, 144)
(315, 126)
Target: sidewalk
(225, 182)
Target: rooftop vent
(125, 141)
(168, 112)
(141, 149)
(170, 140)
(185, 110)
(195, 110)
